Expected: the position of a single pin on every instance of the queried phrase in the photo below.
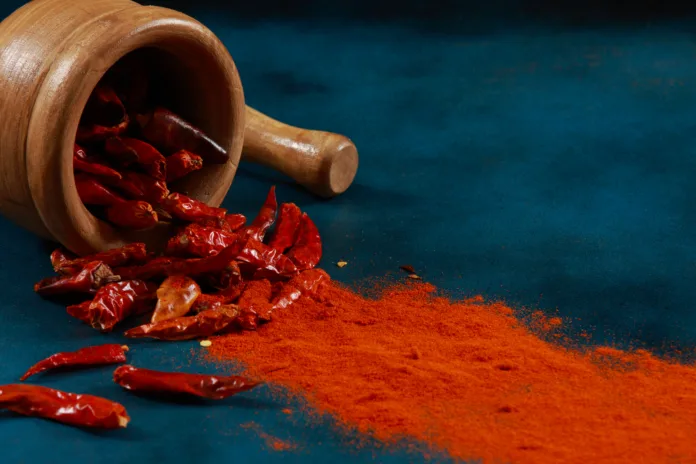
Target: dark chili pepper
(264, 220)
(203, 324)
(306, 252)
(84, 164)
(213, 387)
(172, 133)
(131, 253)
(162, 215)
(88, 356)
(181, 163)
(59, 260)
(261, 261)
(255, 300)
(127, 150)
(113, 303)
(132, 214)
(230, 223)
(95, 132)
(103, 107)
(305, 283)
(196, 240)
(175, 297)
(229, 276)
(140, 186)
(92, 276)
(68, 408)
(93, 192)
(287, 227)
(187, 209)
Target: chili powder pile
(471, 378)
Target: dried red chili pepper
(82, 163)
(127, 150)
(113, 303)
(261, 261)
(96, 133)
(229, 276)
(287, 227)
(305, 283)
(59, 260)
(231, 222)
(88, 356)
(264, 220)
(131, 253)
(181, 163)
(187, 209)
(255, 301)
(103, 107)
(68, 408)
(140, 186)
(93, 192)
(132, 214)
(213, 387)
(306, 252)
(172, 133)
(175, 297)
(203, 324)
(90, 278)
(196, 240)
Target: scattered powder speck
(272, 442)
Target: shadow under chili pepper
(130, 433)
(188, 400)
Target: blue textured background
(537, 151)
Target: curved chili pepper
(90, 278)
(305, 283)
(214, 300)
(68, 408)
(131, 253)
(103, 107)
(306, 252)
(132, 214)
(82, 163)
(92, 192)
(264, 220)
(213, 387)
(127, 150)
(60, 259)
(256, 300)
(140, 186)
(287, 227)
(96, 132)
(261, 261)
(172, 133)
(88, 356)
(203, 324)
(181, 163)
(230, 223)
(229, 276)
(113, 303)
(196, 240)
(187, 209)
(175, 297)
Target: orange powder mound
(472, 379)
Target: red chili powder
(275, 443)
(471, 378)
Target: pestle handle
(323, 162)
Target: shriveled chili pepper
(264, 220)
(256, 300)
(187, 209)
(113, 303)
(68, 408)
(127, 150)
(181, 163)
(196, 240)
(231, 222)
(92, 276)
(213, 387)
(95, 132)
(175, 297)
(261, 261)
(229, 276)
(89, 356)
(93, 192)
(172, 133)
(132, 214)
(140, 186)
(162, 215)
(131, 253)
(203, 324)
(305, 283)
(306, 252)
(103, 107)
(59, 260)
(166, 266)
(82, 163)
(287, 227)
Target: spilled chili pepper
(196, 240)
(175, 297)
(93, 192)
(60, 259)
(140, 186)
(214, 387)
(263, 262)
(181, 163)
(187, 209)
(203, 324)
(215, 300)
(287, 227)
(172, 133)
(305, 283)
(113, 303)
(132, 214)
(255, 301)
(264, 220)
(88, 356)
(68, 408)
(127, 151)
(306, 252)
(127, 254)
(230, 223)
(230, 276)
(92, 276)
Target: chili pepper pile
(217, 274)
(127, 149)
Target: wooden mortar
(53, 53)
